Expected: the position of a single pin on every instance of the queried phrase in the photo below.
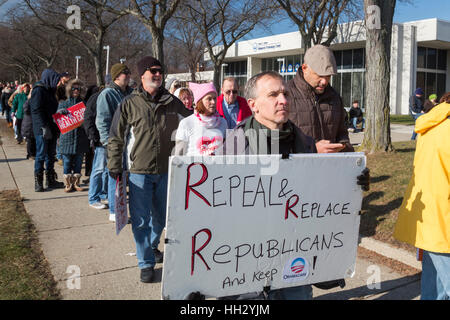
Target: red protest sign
(72, 120)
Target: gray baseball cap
(321, 60)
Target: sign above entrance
(260, 46)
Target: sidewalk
(75, 237)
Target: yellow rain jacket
(424, 216)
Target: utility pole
(107, 59)
(77, 58)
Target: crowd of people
(132, 129)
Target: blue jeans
(72, 163)
(98, 182)
(435, 283)
(415, 116)
(148, 196)
(111, 193)
(45, 153)
(355, 121)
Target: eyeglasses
(76, 88)
(231, 91)
(155, 71)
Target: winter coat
(244, 109)
(74, 141)
(6, 94)
(237, 142)
(424, 216)
(90, 115)
(355, 113)
(321, 117)
(43, 103)
(152, 123)
(17, 104)
(107, 103)
(415, 105)
(27, 123)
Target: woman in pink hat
(202, 133)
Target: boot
(50, 181)
(39, 182)
(76, 182)
(68, 182)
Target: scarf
(208, 121)
(276, 140)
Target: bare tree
(317, 19)
(223, 22)
(379, 15)
(96, 20)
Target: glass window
(442, 60)
(358, 58)
(357, 87)
(430, 84)
(440, 90)
(420, 81)
(421, 57)
(346, 88)
(336, 82)
(431, 58)
(338, 56)
(347, 59)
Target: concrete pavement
(89, 262)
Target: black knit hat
(146, 63)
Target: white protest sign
(232, 230)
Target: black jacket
(355, 113)
(27, 125)
(43, 103)
(5, 98)
(90, 115)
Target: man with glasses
(231, 106)
(151, 114)
(107, 102)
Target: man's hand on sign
(64, 112)
(325, 146)
(364, 179)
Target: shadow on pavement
(406, 288)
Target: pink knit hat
(201, 89)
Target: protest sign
(233, 230)
(72, 120)
(120, 203)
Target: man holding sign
(269, 101)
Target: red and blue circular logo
(298, 265)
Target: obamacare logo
(295, 270)
(298, 265)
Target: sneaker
(112, 217)
(158, 256)
(147, 275)
(98, 205)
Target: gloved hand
(115, 175)
(364, 179)
(195, 296)
(64, 112)
(46, 133)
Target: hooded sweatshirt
(424, 216)
(43, 103)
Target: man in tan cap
(315, 107)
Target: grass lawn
(402, 119)
(24, 272)
(390, 175)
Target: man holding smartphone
(316, 108)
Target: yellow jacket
(424, 216)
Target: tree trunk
(377, 135)
(217, 76)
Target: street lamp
(107, 58)
(221, 75)
(78, 58)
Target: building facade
(420, 57)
